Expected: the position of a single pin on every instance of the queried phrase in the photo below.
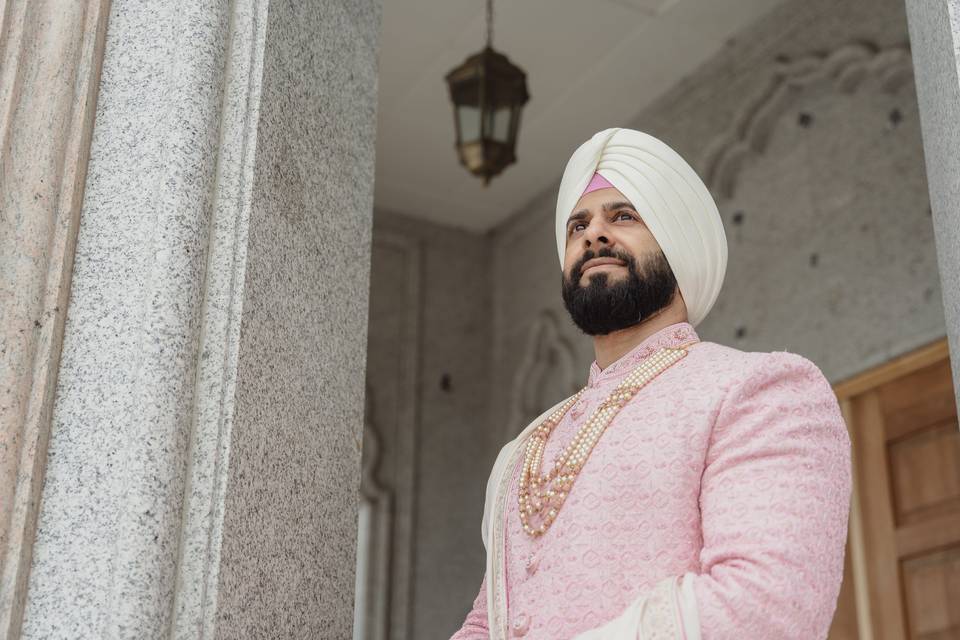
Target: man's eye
(577, 227)
(621, 215)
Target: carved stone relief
(750, 132)
(822, 188)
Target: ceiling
(591, 64)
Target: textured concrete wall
(827, 216)
(452, 443)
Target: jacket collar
(672, 335)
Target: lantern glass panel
(498, 124)
(468, 117)
(515, 113)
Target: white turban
(671, 199)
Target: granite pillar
(935, 44)
(204, 452)
(50, 56)
(289, 527)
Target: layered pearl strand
(542, 495)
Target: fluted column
(50, 55)
(203, 466)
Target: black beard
(600, 308)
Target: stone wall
(428, 394)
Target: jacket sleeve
(774, 502)
(475, 625)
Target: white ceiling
(591, 64)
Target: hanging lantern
(488, 94)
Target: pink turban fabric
(668, 195)
(598, 182)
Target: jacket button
(521, 624)
(533, 561)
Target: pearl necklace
(543, 494)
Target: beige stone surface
(49, 76)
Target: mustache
(605, 252)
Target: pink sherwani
(714, 506)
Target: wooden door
(903, 554)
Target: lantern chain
(490, 23)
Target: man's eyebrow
(607, 207)
(613, 206)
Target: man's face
(614, 272)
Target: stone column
(204, 453)
(50, 55)
(290, 512)
(935, 44)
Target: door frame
(880, 513)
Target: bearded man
(690, 490)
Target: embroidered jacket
(714, 506)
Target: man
(691, 490)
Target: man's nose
(596, 233)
